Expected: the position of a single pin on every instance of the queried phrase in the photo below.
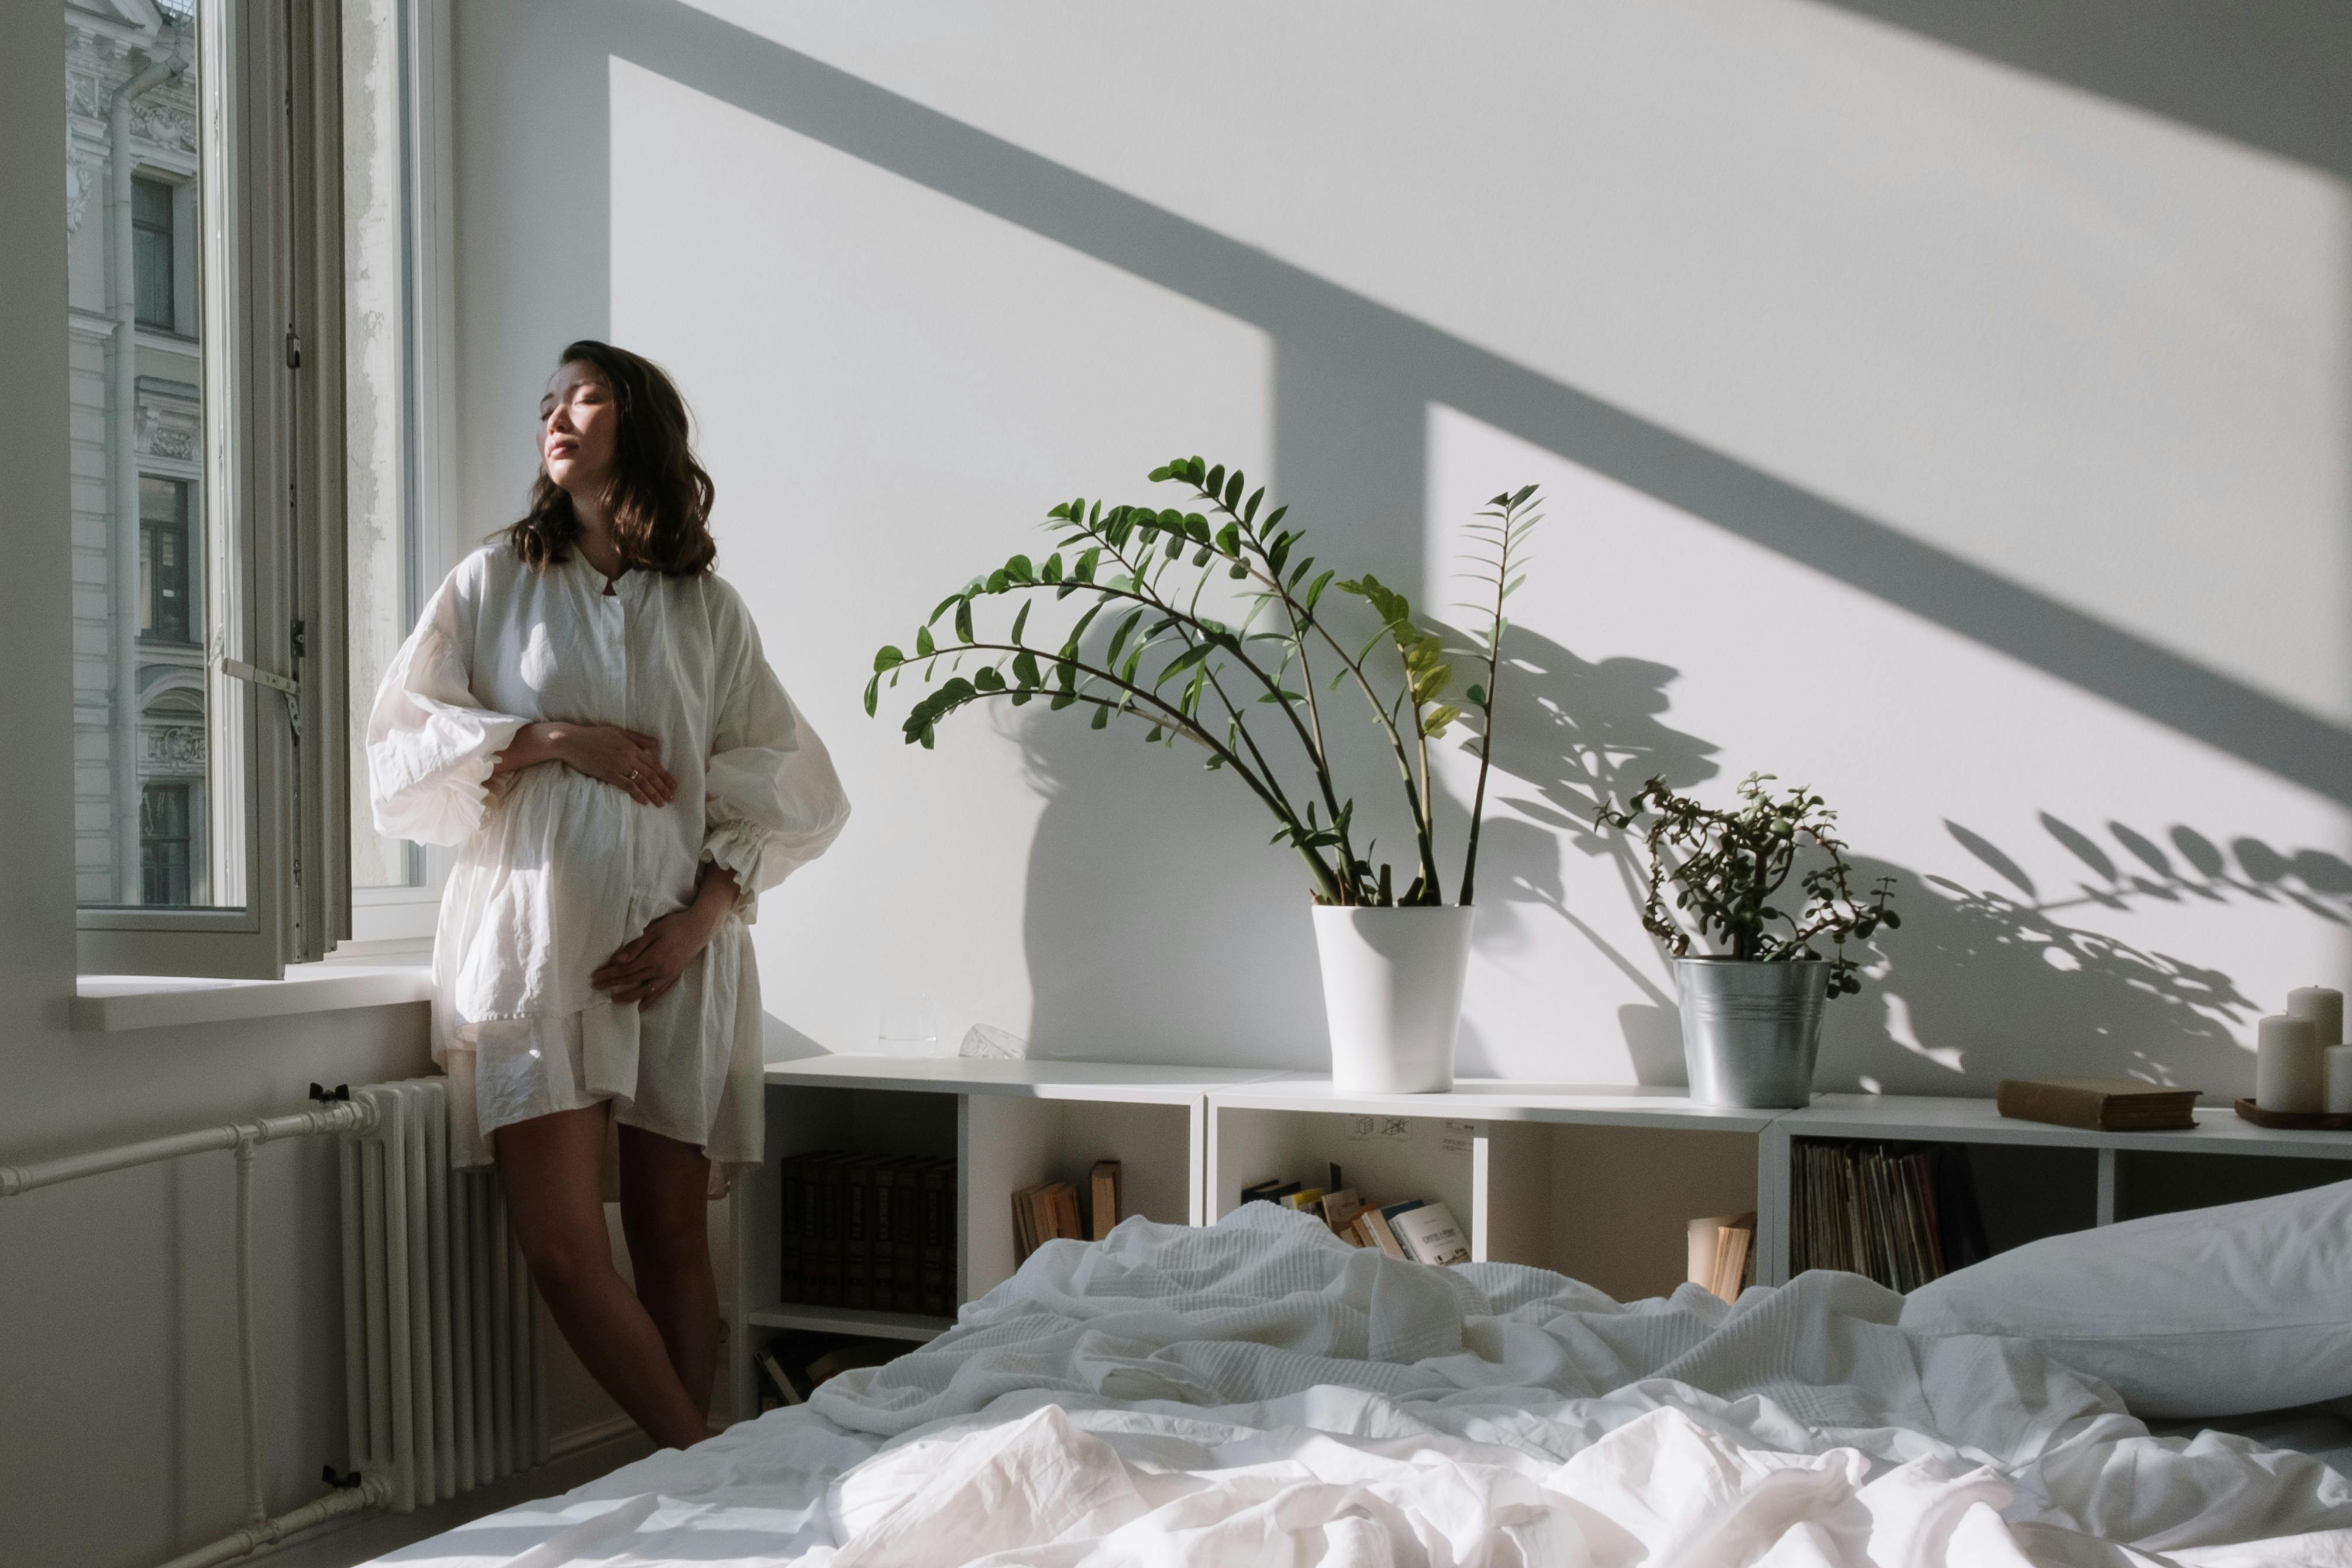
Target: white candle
(2287, 1065)
(2324, 1007)
(2340, 1080)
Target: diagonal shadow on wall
(1354, 377)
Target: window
(154, 254)
(208, 426)
(165, 842)
(163, 600)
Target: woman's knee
(565, 1256)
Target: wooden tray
(2301, 1120)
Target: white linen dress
(555, 870)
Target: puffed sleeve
(772, 801)
(430, 745)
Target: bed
(1257, 1391)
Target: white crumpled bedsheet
(1258, 1392)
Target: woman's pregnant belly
(562, 872)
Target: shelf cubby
(1006, 1125)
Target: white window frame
(274, 471)
(392, 922)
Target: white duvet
(1260, 1393)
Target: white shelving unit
(1005, 1123)
(1550, 1174)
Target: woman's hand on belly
(643, 970)
(627, 760)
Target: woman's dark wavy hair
(658, 495)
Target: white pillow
(2211, 1311)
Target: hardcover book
(1107, 1209)
(2098, 1104)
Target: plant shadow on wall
(2002, 979)
(2013, 978)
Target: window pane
(165, 829)
(163, 607)
(149, 779)
(153, 246)
(381, 500)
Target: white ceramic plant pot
(1393, 991)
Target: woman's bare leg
(550, 1168)
(665, 1213)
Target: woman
(585, 711)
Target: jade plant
(1211, 624)
(1730, 873)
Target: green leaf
(873, 695)
(1120, 634)
(988, 678)
(998, 582)
(1024, 669)
(950, 599)
(1215, 482)
(1101, 719)
(924, 646)
(1084, 571)
(1020, 621)
(1229, 540)
(1052, 570)
(964, 620)
(1018, 569)
(1249, 511)
(888, 658)
(1233, 491)
(1315, 592)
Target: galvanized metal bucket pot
(1751, 1028)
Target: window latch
(239, 670)
(293, 350)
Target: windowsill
(112, 1002)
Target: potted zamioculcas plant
(1210, 623)
(1751, 1012)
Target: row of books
(1902, 1214)
(1723, 1254)
(872, 1232)
(1049, 1209)
(1414, 1230)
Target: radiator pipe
(342, 1117)
(268, 1531)
(248, 1346)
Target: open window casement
(213, 775)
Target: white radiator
(441, 1364)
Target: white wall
(1958, 423)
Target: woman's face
(576, 423)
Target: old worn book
(1107, 1209)
(2099, 1104)
(1716, 1252)
(1340, 1208)
(1377, 1230)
